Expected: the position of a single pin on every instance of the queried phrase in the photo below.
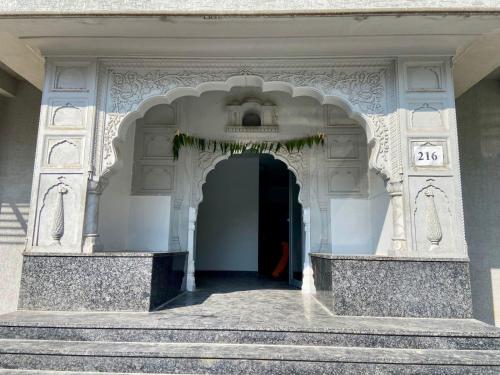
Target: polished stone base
(397, 287)
(244, 325)
(100, 281)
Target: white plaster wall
(380, 215)
(128, 222)
(478, 115)
(18, 131)
(149, 222)
(351, 226)
(228, 218)
(362, 226)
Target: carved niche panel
(426, 116)
(63, 153)
(432, 217)
(71, 78)
(153, 171)
(345, 161)
(343, 147)
(59, 211)
(68, 114)
(425, 77)
(157, 178)
(157, 144)
(344, 180)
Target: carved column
(399, 246)
(307, 272)
(190, 278)
(91, 229)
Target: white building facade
(378, 82)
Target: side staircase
(89, 343)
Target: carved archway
(365, 90)
(294, 162)
(208, 161)
(361, 90)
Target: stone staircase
(89, 343)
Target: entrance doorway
(250, 221)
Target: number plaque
(428, 156)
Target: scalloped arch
(206, 171)
(170, 96)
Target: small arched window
(251, 119)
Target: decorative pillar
(399, 247)
(307, 272)
(190, 278)
(65, 133)
(91, 231)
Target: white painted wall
(478, 115)
(362, 226)
(228, 218)
(18, 131)
(132, 222)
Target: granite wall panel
(100, 281)
(398, 287)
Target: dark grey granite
(238, 359)
(100, 281)
(256, 336)
(388, 286)
(250, 310)
(241, 326)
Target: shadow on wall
(478, 115)
(13, 223)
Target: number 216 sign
(425, 155)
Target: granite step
(460, 334)
(257, 336)
(199, 358)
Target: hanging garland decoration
(184, 140)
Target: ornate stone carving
(68, 115)
(433, 220)
(64, 152)
(57, 230)
(425, 117)
(434, 231)
(71, 78)
(362, 86)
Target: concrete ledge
(101, 281)
(398, 287)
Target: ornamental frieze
(362, 86)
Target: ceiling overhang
(283, 36)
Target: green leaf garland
(292, 145)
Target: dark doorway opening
(250, 222)
(280, 222)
